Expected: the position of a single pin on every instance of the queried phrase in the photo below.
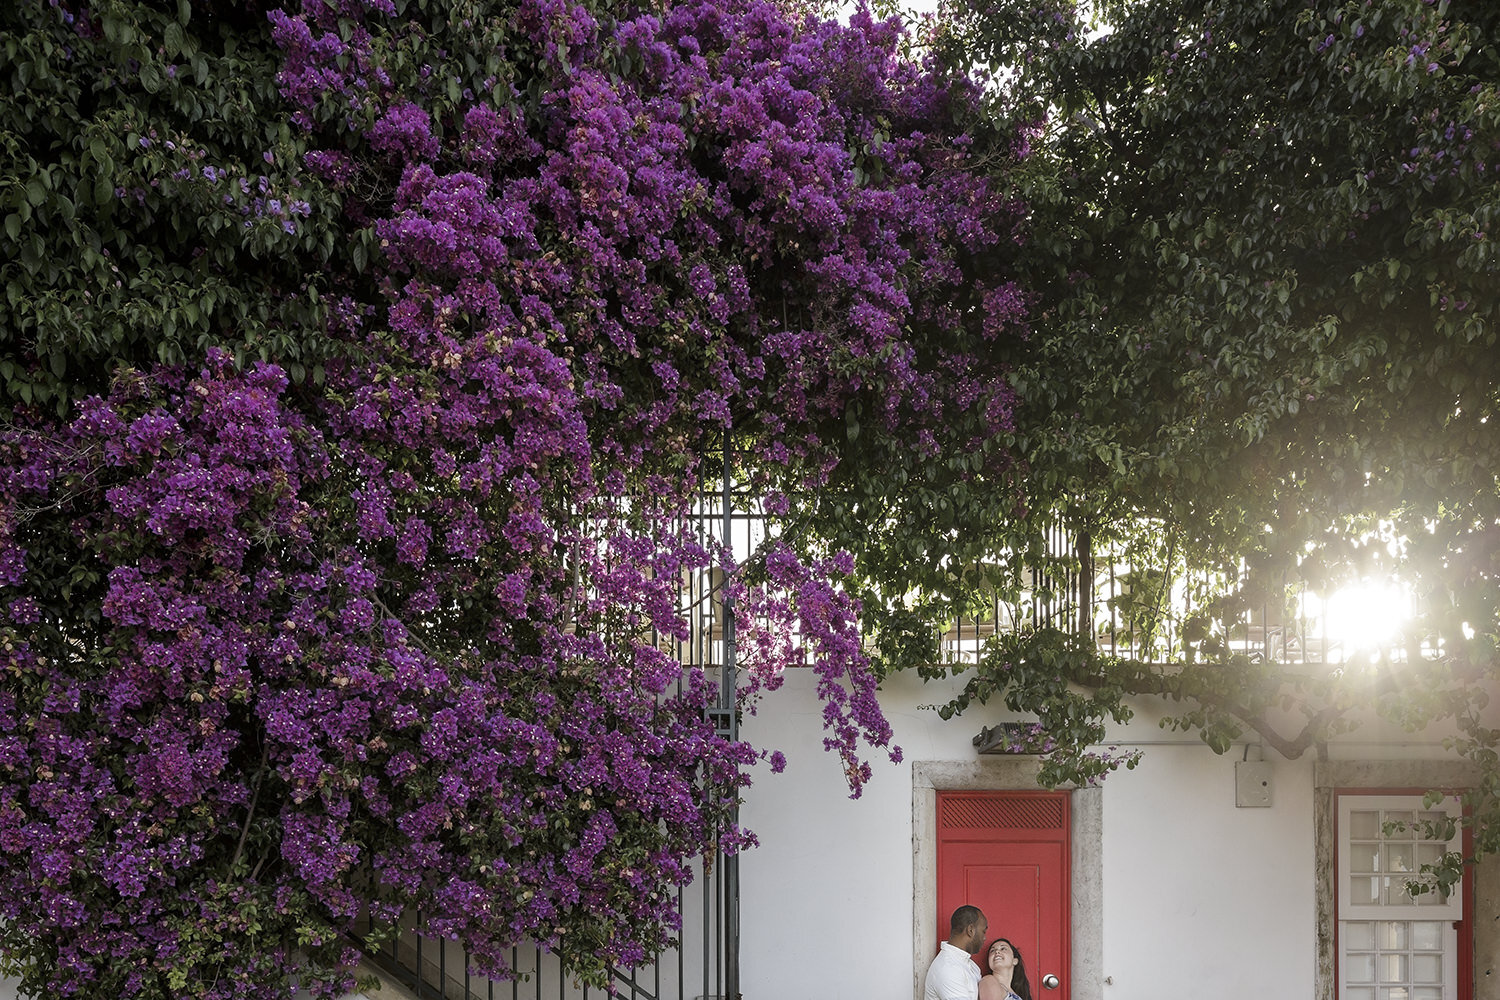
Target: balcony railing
(1143, 612)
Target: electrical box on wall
(1252, 784)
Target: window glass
(1359, 935)
(1427, 935)
(1365, 825)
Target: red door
(1007, 853)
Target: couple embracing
(953, 974)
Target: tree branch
(260, 775)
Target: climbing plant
(364, 362)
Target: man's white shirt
(952, 976)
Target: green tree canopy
(1263, 349)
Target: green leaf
(173, 39)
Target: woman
(1006, 978)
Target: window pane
(1433, 898)
(1392, 935)
(1364, 824)
(1395, 993)
(1364, 891)
(1427, 993)
(1359, 968)
(1392, 968)
(1400, 858)
(1426, 969)
(1364, 858)
(1431, 817)
(1402, 829)
(1359, 935)
(1398, 894)
(1360, 993)
(1428, 854)
(1426, 935)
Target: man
(953, 974)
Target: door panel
(1007, 853)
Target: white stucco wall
(826, 900)
(1200, 898)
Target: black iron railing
(1137, 601)
(705, 964)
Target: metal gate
(705, 963)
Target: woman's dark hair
(1019, 984)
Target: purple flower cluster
(400, 643)
(802, 618)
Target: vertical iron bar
(731, 862)
(1298, 625)
(1075, 578)
(1084, 546)
(1069, 552)
(719, 938)
(1265, 627)
(708, 923)
(1114, 610)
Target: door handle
(1050, 981)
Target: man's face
(977, 935)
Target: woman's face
(1001, 956)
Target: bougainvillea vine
(362, 597)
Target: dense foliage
(363, 364)
(1263, 361)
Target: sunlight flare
(1366, 617)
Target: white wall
(1200, 898)
(826, 900)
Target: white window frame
(1446, 913)
(1448, 989)
(1450, 909)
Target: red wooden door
(1007, 853)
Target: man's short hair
(963, 918)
